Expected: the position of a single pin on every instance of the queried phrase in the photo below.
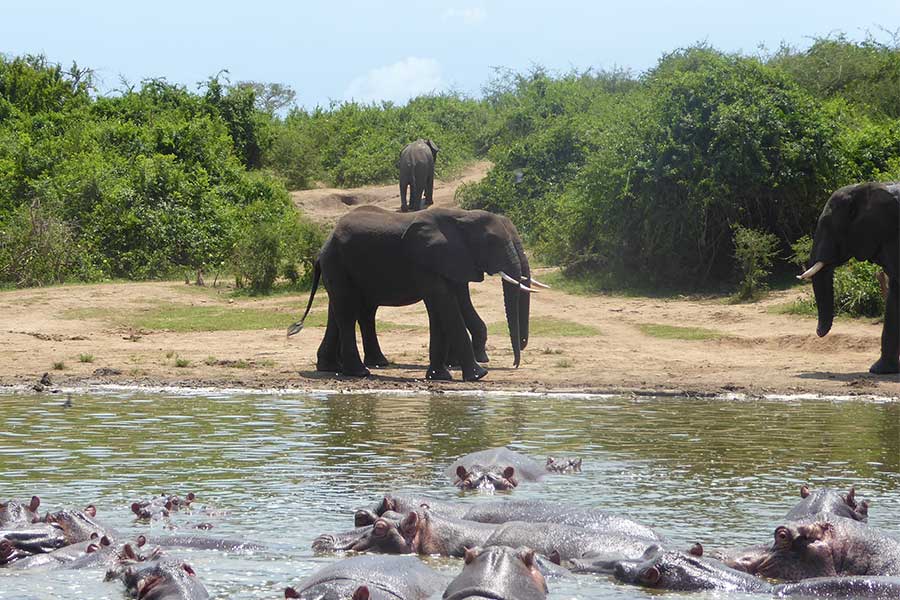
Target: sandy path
(760, 352)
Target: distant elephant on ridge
(417, 173)
(860, 221)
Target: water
(285, 468)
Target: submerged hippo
(566, 541)
(823, 546)
(402, 504)
(499, 469)
(163, 580)
(14, 514)
(161, 506)
(419, 532)
(73, 554)
(39, 538)
(500, 573)
(371, 577)
(831, 501)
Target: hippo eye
(380, 529)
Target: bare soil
(759, 352)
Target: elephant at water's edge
(417, 173)
(379, 258)
(862, 222)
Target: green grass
(548, 327)
(673, 332)
(59, 366)
(182, 362)
(86, 358)
(563, 363)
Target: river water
(279, 469)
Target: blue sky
(381, 50)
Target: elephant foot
(376, 361)
(438, 374)
(361, 371)
(328, 366)
(403, 209)
(885, 366)
(481, 356)
(477, 374)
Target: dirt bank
(140, 333)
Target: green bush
(754, 251)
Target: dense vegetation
(621, 178)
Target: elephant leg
(415, 202)
(429, 191)
(474, 324)
(445, 306)
(344, 304)
(403, 207)
(328, 355)
(437, 346)
(373, 357)
(890, 333)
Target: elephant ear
(439, 245)
(433, 146)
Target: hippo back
(385, 576)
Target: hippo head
(360, 593)
(566, 465)
(489, 479)
(798, 552)
(680, 571)
(77, 526)
(14, 512)
(832, 501)
(385, 536)
(498, 572)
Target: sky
(383, 50)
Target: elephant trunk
(511, 298)
(823, 288)
(524, 299)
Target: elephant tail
(317, 273)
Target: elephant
(379, 258)
(417, 173)
(860, 221)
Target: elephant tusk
(508, 279)
(525, 288)
(812, 270)
(536, 283)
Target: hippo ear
(136, 508)
(35, 503)
(850, 498)
(187, 569)
(650, 575)
(471, 554)
(509, 472)
(815, 531)
(290, 592)
(555, 558)
(90, 510)
(128, 552)
(461, 472)
(527, 556)
(804, 491)
(410, 523)
(696, 549)
(361, 593)
(190, 497)
(863, 508)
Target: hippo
(67, 555)
(858, 588)
(502, 511)
(830, 501)
(677, 570)
(371, 577)
(15, 514)
(567, 541)
(160, 507)
(421, 532)
(498, 469)
(39, 538)
(203, 543)
(163, 579)
(823, 546)
(500, 573)
(78, 526)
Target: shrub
(754, 251)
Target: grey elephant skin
(384, 577)
(500, 573)
(417, 174)
(860, 221)
(378, 258)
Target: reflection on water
(281, 469)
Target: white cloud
(473, 15)
(398, 82)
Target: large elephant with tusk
(379, 258)
(862, 222)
